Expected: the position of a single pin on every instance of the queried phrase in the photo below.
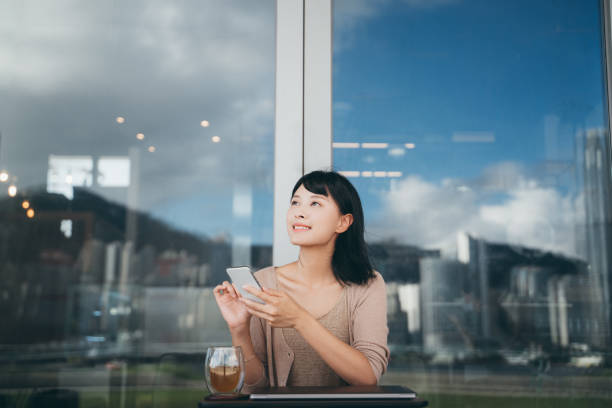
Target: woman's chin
(300, 241)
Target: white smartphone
(242, 275)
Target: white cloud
(349, 14)
(68, 68)
(431, 214)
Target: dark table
(417, 402)
(319, 402)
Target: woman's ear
(345, 222)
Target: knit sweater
(367, 309)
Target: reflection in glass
(476, 134)
(107, 270)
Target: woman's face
(314, 219)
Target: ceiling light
(374, 145)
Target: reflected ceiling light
(69, 179)
(12, 190)
(394, 174)
(410, 145)
(474, 137)
(120, 119)
(151, 149)
(140, 136)
(380, 174)
(25, 204)
(342, 145)
(4, 176)
(205, 123)
(215, 139)
(30, 213)
(397, 152)
(350, 173)
(366, 174)
(374, 145)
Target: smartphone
(242, 275)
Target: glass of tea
(224, 370)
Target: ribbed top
(308, 368)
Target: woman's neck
(314, 265)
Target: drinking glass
(224, 370)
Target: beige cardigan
(367, 306)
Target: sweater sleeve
(258, 338)
(370, 328)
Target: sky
(493, 95)
(68, 69)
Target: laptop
(348, 392)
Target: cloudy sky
(68, 69)
(493, 97)
(483, 106)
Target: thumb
(272, 292)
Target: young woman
(324, 321)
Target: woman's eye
(315, 203)
(294, 202)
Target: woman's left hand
(280, 309)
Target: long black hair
(350, 261)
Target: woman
(325, 318)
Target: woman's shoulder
(375, 285)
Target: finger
(254, 305)
(218, 290)
(273, 292)
(260, 314)
(238, 294)
(230, 289)
(256, 292)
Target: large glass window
(476, 133)
(136, 164)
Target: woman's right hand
(233, 311)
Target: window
(476, 133)
(136, 158)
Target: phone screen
(242, 275)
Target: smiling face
(314, 219)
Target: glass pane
(476, 133)
(136, 159)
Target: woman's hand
(280, 309)
(233, 311)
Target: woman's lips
(299, 227)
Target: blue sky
(404, 71)
(413, 73)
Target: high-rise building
(598, 229)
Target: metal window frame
(289, 119)
(303, 108)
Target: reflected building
(88, 288)
(399, 262)
(524, 295)
(397, 317)
(447, 312)
(597, 237)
